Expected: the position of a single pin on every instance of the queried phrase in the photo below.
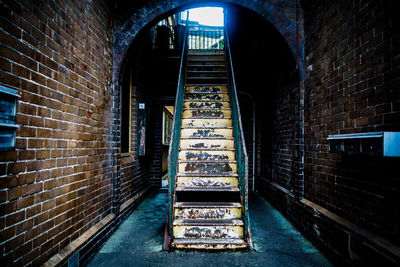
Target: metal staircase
(207, 157)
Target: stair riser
(206, 80)
(207, 167)
(214, 74)
(207, 231)
(206, 63)
(211, 105)
(206, 89)
(206, 52)
(206, 68)
(206, 144)
(213, 246)
(206, 133)
(208, 213)
(187, 114)
(207, 123)
(206, 57)
(207, 97)
(202, 182)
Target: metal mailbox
(385, 144)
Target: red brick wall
(57, 183)
(353, 86)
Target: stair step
(206, 74)
(200, 182)
(208, 210)
(207, 97)
(206, 52)
(207, 143)
(206, 155)
(206, 67)
(183, 174)
(204, 79)
(219, 166)
(207, 189)
(206, 133)
(209, 243)
(204, 228)
(209, 123)
(205, 105)
(207, 89)
(208, 222)
(207, 205)
(205, 60)
(206, 113)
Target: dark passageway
(139, 241)
(88, 135)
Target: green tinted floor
(139, 240)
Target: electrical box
(8, 114)
(385, 144)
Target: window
(168, 114)
(126, 116)
(8, 114)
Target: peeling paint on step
(208, 182)
(206, 123)
(208, 213)
(207, 167)
(206, 144)
(210, 105)
(208, 231)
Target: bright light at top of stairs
(210, 16)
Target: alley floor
(139, 240)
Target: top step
(206, 52)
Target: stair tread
(217, 109)
(207, 161)
(200, 66)
(206, 84)
(206, 100)
(209, 222)
(207, 78)
(208, 138)
(203, 71)
(207, 174)
(208, 93)
(206, 117)
(207, 189)
(213, 241)
(207, 205)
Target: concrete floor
(139, 240)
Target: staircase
(207, 203)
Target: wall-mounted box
(8, 114)
(385, 144)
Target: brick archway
(270, 10)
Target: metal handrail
(240, 144)
(176, 131)
(201, 37)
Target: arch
(153, 9)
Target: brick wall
(57, 182)
(351, 206)
(285, 129)
(353, 87)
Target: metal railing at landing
(205, 37)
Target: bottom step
(217, 244)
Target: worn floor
(139, 240)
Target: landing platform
(139, 241)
